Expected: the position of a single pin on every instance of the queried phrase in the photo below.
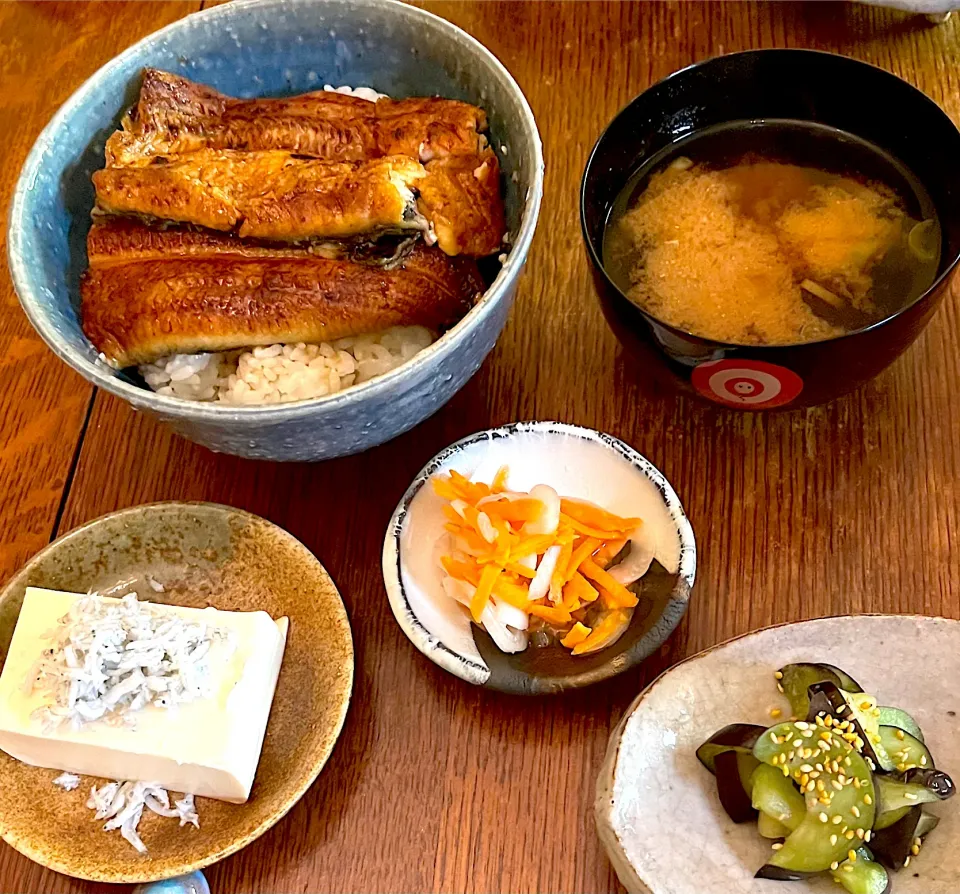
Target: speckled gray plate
(203, 554)
(578, 462)
(657, 810)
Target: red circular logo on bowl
(746, 384)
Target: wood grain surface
(435, 785)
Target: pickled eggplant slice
(768, 827)
(733, 772)
(900, 719)
(928, 822)
(828, 700)
(863, 875)
(905, 751)
(894, 795)
(932, 780)
(889, 817)
(847, 792)
(735, 737)
(895, 843)
(777, 798)
(796, 680)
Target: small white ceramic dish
(657, 809)
(577, 462)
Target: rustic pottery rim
(606, 778)
(23, 846)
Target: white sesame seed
(906, 862)
(915, 850)
(910, 796)
(778, 675)
(834, 866)
(777, 845)
(837, 820)
(833, 840)
(855, 811)
(824, 818)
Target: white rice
(284, 373)
(360, 92)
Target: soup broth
(772, 232)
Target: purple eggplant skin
(936, 781)
(779, 874)
(735, 735)
(826, 698)
(891, 846)
(734, 798)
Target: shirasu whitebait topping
(108, 659)
(122, 803)
(67, 781)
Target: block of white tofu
(208, 747)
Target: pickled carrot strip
(461, 570)
(586, 548)
(579, 586)
(604, 633)
(488, 577)
(514, 510)
(578, 633)
(516, 597)
(521, 570)
(614, 588)
(614, 600)
(500, 480)
(550, 614)
(588, 531)
(596, 517)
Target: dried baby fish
(110, 658)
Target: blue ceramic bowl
(269, 48)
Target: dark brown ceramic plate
(203, 554)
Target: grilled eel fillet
(174, 115)
(270, 194)
(151, 292)
(176, 119)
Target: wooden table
(435, 785)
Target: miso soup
(772, 232)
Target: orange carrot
(587, 530)
(578, 586)
(617, 591)
(488, 577)
(595, 517)
(500, 480)
(578, 633)
(614, 600)
(521, 570)
(514, 510)
(551, 615)
(611, 626)
(585, 549)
